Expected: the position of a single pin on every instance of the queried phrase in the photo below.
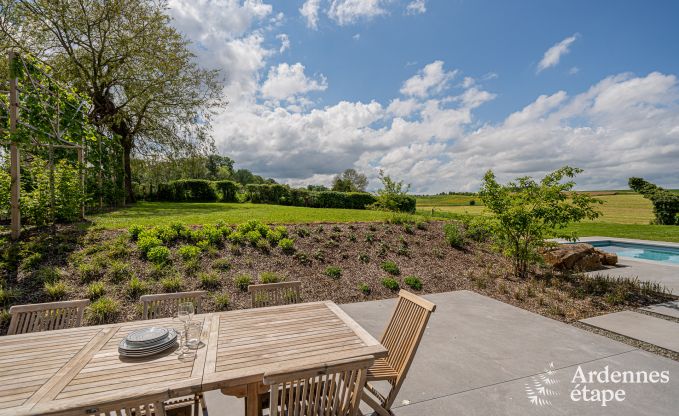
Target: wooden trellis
(13, 92)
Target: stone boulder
(580, 257)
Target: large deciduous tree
(350, 181)
(137, 69)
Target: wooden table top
(77, 368)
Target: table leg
(252, 402)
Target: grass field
(162, 213)
(624, 214)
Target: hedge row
(197, 190)
(200, 190)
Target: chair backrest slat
(333, 389)
(164, 305)
(40, 317)
(404, 331)
(146, 408)
(273, 294)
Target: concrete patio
(480, 356)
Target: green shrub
(242, 282)
(172, 284)
(48, 274)
(167, 234)
(222, 301)
(179, 227)
(102, 310)
(421, 225)
(55, 290)
(478, 228)
(364, 258)
(7, 295)
(270, 277)
(262, 245)
(319, 255)
(212, 234)
(119, 271)
(453, 235)
(236, 237)
(187, 190)
(253, 237)
(188, 252)
(134, 230)
(88, 272)
(287, 245)
(253, 225)
(273, 237)
(158, 255)
(147, 242)
(209, 280)
(136, 287)
(31, 261)
(303, 258)
(665, 203)
(222, 264)
(390, 267)
(203, 245)
(414, 282)
(303, 232)
(282, 230)
(364, 288)
(95, 290)
(333, 271)
(227, 190)
(5, 317)
(389, 283)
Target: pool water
(639, 251)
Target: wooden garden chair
(164, 305)
(334, 389)
(274, 294)
(40, 317)
(401, 338)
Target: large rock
(581, 257)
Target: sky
(437, 92)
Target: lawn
(163, 213)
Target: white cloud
(346, 12)
(574, 70)
(431, 79)
(285, 81)
(403, 108)
(285, 42)
(310, 10)
(357, 36)
(554, 54)
(416, 7)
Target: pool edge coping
(589, 239)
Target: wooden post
(15, 225)
(81, 166)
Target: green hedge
(227, 190)
(187, 190)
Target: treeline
(202, 190)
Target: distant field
(162, 213)
(625, 214)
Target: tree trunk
(126, 141)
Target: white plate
(137, 354)
(170, 338)
(147, 336)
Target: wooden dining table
(69, 371)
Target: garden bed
(339, 262)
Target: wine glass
(184, 314)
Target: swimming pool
(661, 254)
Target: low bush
(364, 288)
(167, 234)
(303, 232)
(391, 268)
(270, 277)
(134, 230)
(262, 245)
(88, 272)
(413, 282)
(96, 290)
(158, 255)
(209, 280)
(31, 261)
(222, 301)
(390, 283)
(136, 288)
(147, 242)
(188, 252)
(333, 272)
(453, 235)
(242, 282)
(222, 264)
(287, 245)
(273, 237)
(253, 237)
(172, 284)
(237, 237)
(55, 290)
(102, 310)
(48, 274)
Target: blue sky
(437, 92)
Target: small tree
(350, 181)
(665, 203)
(528, 212)
(394, 195)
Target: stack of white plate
(147, 341)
